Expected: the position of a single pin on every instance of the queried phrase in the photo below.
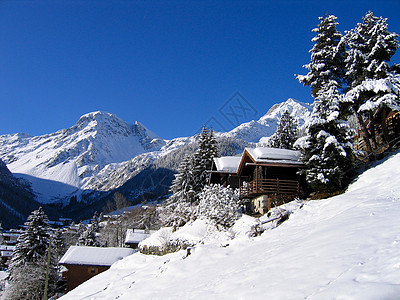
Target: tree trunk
(366, 135)
(385, 131)
(373, 131)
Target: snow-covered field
(345, 247)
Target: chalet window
(93, 270)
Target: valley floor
(345, 247)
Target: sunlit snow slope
(345, 247)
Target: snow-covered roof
(6, 253)
(94, 256)
(7, 248)
(274, 155)
(134, 236)
(227, 164)
(9, 234)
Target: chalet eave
(277, 164)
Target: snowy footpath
(345, 247)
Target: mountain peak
(292, 105)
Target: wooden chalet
(383, 139)
(85, 262)
(267, 177)
(224, 171)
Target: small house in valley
(266, 177)
(85, 262)
(135, 236)
(5, 255)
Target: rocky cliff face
(16, 199)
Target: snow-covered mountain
(101, 152)
(344, 247)
(61, 163)
(259, 131)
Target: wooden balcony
(269, 187)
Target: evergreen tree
(88, 238)
(33, 242)
(95, 222)
(183, 184)
(27, 271)
(192, 173)
(370, 46)
(286, 133)
(326, 149)
(203, 158)
(58, 243)
(327, 56)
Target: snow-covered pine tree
(95, 222)
(327, 56)
(183, 184)
(88, 238)
(203, 158)
(326, 149)
(372, 83)
(192, 176)
(27, 271)
(286, 133)
(33, 242)
(58, 244)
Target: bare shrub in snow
(220, 204)
(177, 213)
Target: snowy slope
(60, 163)
(345, 247)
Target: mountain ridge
(102, 152)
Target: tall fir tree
(193, 173)
(95, 222)
(286, 133)
(326, 149)
(183, 184)
(27, 270)
(372, 83)
(327, 56)
(58, 243)
(33, 242)
(89, 238)
(203, 158)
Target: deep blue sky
(168, 64)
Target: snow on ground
(345, 247)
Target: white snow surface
(94, 256)
(344, 247)
(136, 235)
(227, 164)
(274, 155)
